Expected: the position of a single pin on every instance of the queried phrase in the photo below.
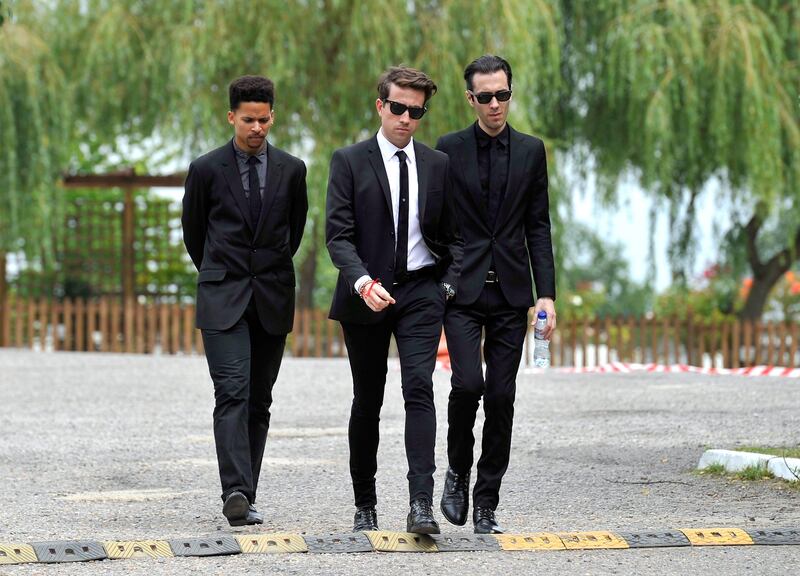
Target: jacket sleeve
(194, 217)
(340, 233)
(537, 230)
(299, 210)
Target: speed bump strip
(351, 542)
(271, 543)
(775, 536)
(66, 551)
(717, 536)
(17, 554)
(217, 546)
(591, 540)
(465, 543)
(654, 539)
(532, 541)
(119, 549)
(383, 541)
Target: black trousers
(416, 322)
(505, 328)
(244, 361)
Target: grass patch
(787, 451)
(752, 473)
(715, 469)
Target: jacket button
(254, 250)
(252, 275)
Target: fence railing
(108, 325)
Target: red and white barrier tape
(623, 367)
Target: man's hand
(548, 306)
(376, 297)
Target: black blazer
(238, 259)
(360, 227)
(521, 234)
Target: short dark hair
(405, 77)
(487, 64)
(251, 89)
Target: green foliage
(715, 469)
(783, 451)
(755, 472)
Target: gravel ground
(114, 447)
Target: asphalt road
(113, 447)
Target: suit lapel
(274, 173)
(515, 170)
(468, 159)
(422, 182)
(380, 172)
(230, 170)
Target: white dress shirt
(418, 254)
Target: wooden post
(748, 341)
(80, 325)
(318, 320)
(782, 338)
(736, 348)
(757, 336)
(128, 262)
(5, 313)
(793, 349)
(68, 324)
(771, 343)
(690, 339)
(724, 340)
(19, 340)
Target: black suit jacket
(238, 259)
(520, 240)
(360, 225)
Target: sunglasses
(486, 97)
(398, 109)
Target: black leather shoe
(455, 498)
(254, 516)
(420, 518)
(235, 508)
(485, 522)
(366, 519)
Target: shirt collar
(261, 155)
(388, 149)
(484, 139)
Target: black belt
(491, 277)
(424, 272)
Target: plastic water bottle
(541, 346)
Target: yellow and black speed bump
(466, 542)
(17, 554)
(717, 536)
(336, 543)
(655, 539)
(83, 551)
(775, 537)
(122, 549)
(217, 546)
(272, 543)
(383, 541)
(380, 541)
(532, 541)
(591, 540)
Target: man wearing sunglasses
(391, 233)
(500, 189)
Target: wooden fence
(106, 325)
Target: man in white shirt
(391, 233)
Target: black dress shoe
(365, 520)
(420, 518)
(254, 516)
(235, 508)
(455, 498)
(485, 522)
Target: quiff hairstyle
(405, 77)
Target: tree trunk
(308, 271)
(5, 315)
(765, 275)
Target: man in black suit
(244, 211)
(391, 234)
(500, 190)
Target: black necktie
(401, 251)
(255, 192)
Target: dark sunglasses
(398, 109)
(486, 97)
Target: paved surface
(106, 447)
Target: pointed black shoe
(455, 498)
(365, 520)
(420, 518)
(254, 516)
(485, 522)
(235, 508)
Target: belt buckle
(491, 277)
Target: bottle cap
(542, 314)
